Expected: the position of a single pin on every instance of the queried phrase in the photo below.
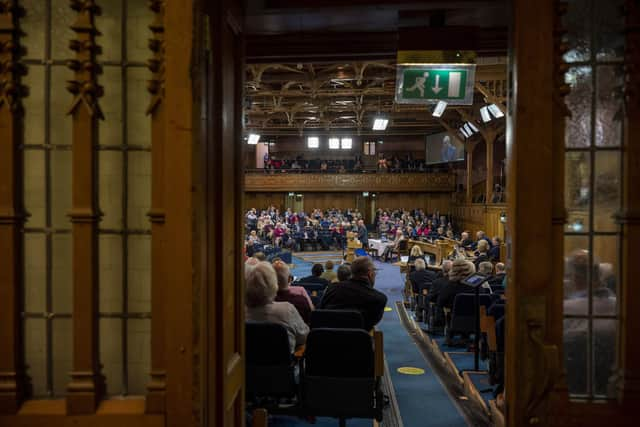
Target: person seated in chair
(416, 254)
(329, 273)
(316, 276)
(460, 270)
(261, 291)
(421, 278)
(498, 278)
(295, 295)
(494, 252)
(465, 240)
(357, 293)
(395, 247)
(344, 273)
(482, 253)
(480, 236)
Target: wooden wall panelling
(629, 385)
(12, 375)
(155, 401)
(378, 182)
(532, 364)
(329, 200)
(87, 387)
(264, 200)
(181, 339)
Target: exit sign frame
(430, 83)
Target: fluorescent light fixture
(253, 139)
(334, 143)
(313, 142)
(464, 132)
(365, 194)
(292, 194)
(346, 143)
(440, 107)
(468, 129)
(493, 108)
(473, 127)
(484, 112)
(380, 124)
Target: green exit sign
(430, 83)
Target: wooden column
(470, 147)
(155, 402)
(489, 182)
(12, 379)
(87, 384)
(532, 365)
(629, 385)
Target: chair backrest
(463, 314)
(339, 353)
(311, 287)
(344, 319)
(496, 310)
(267, 344)
(403, 245)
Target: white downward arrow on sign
(437, 87)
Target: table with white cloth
(379, 246)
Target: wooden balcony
(349, 182)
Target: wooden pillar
(629, 384)
(489, 182)
(87, 384)
(155, 402)
(12, 379)
(178, 105)
(532, 365)
(470, 147)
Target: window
(369, 148)
(346, 143)
(313, 142)
(593, 184)
(124, 183)
(334, 143)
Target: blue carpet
(421, 398)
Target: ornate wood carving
(12, 375)
(87, 384)
(155, 402)
(629, 376)
(433, 182)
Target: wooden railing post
(155, 402)
(87, 384)
(12, 376)
(489, 182)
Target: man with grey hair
(498, 278)
(261, 290)
(357, 293)
(421, 280)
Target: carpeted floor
(422, 399)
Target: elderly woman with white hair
(261, 291)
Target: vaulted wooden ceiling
(326, 65)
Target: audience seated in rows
(460, 269)
(357, 293)
(261, 290)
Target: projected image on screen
(441, 148)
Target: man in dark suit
(498, 279)
(316, 272)
(494, 252)
(357, 293)
(363, 235)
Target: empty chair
(350, 319)
(342, 374)
(463, 314)
(270, 365)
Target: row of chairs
(338, 374)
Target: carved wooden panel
(155, 402)
(12, 379)
(87, 384)
(435, 182)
